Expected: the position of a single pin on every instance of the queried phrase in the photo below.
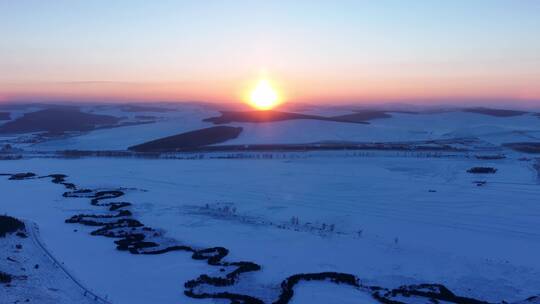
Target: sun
(263, 96)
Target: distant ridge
(495, 112)
(526, 147)
(57, 120)
(361, 117)
(145, 108)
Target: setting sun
(263, 96)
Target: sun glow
(263, 96)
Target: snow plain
(391, 218)
(481, 242)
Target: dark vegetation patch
(7, 148)
(57, 120)
(362, 116)
(256, 116)
(482, 170)
(287, 286)
(16, 106)
(189, 140)
(416, 146)
(490, 157)
(9, 224)
(125, 124)
(526, 147)
(146, 117)
(5, 278)
(433, 292)
(495, 112)
(328, 146)
(270, 116)
(143, 108)
(134, 237)
(21, 176)
(10, 157)
(59, 179)
(5, 116)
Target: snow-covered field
(36, 277)
(399, 127)
(389, 220)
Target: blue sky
(313, 50)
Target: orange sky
(312, 51)
(361, 90)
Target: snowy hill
(390, 127)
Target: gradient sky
(314, 51)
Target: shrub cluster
(433, 292)
(9, 224)
(5, 278)
(482, 170)
(287, 286)
(21, 176)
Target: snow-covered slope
(400, 127)
(36, 277)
